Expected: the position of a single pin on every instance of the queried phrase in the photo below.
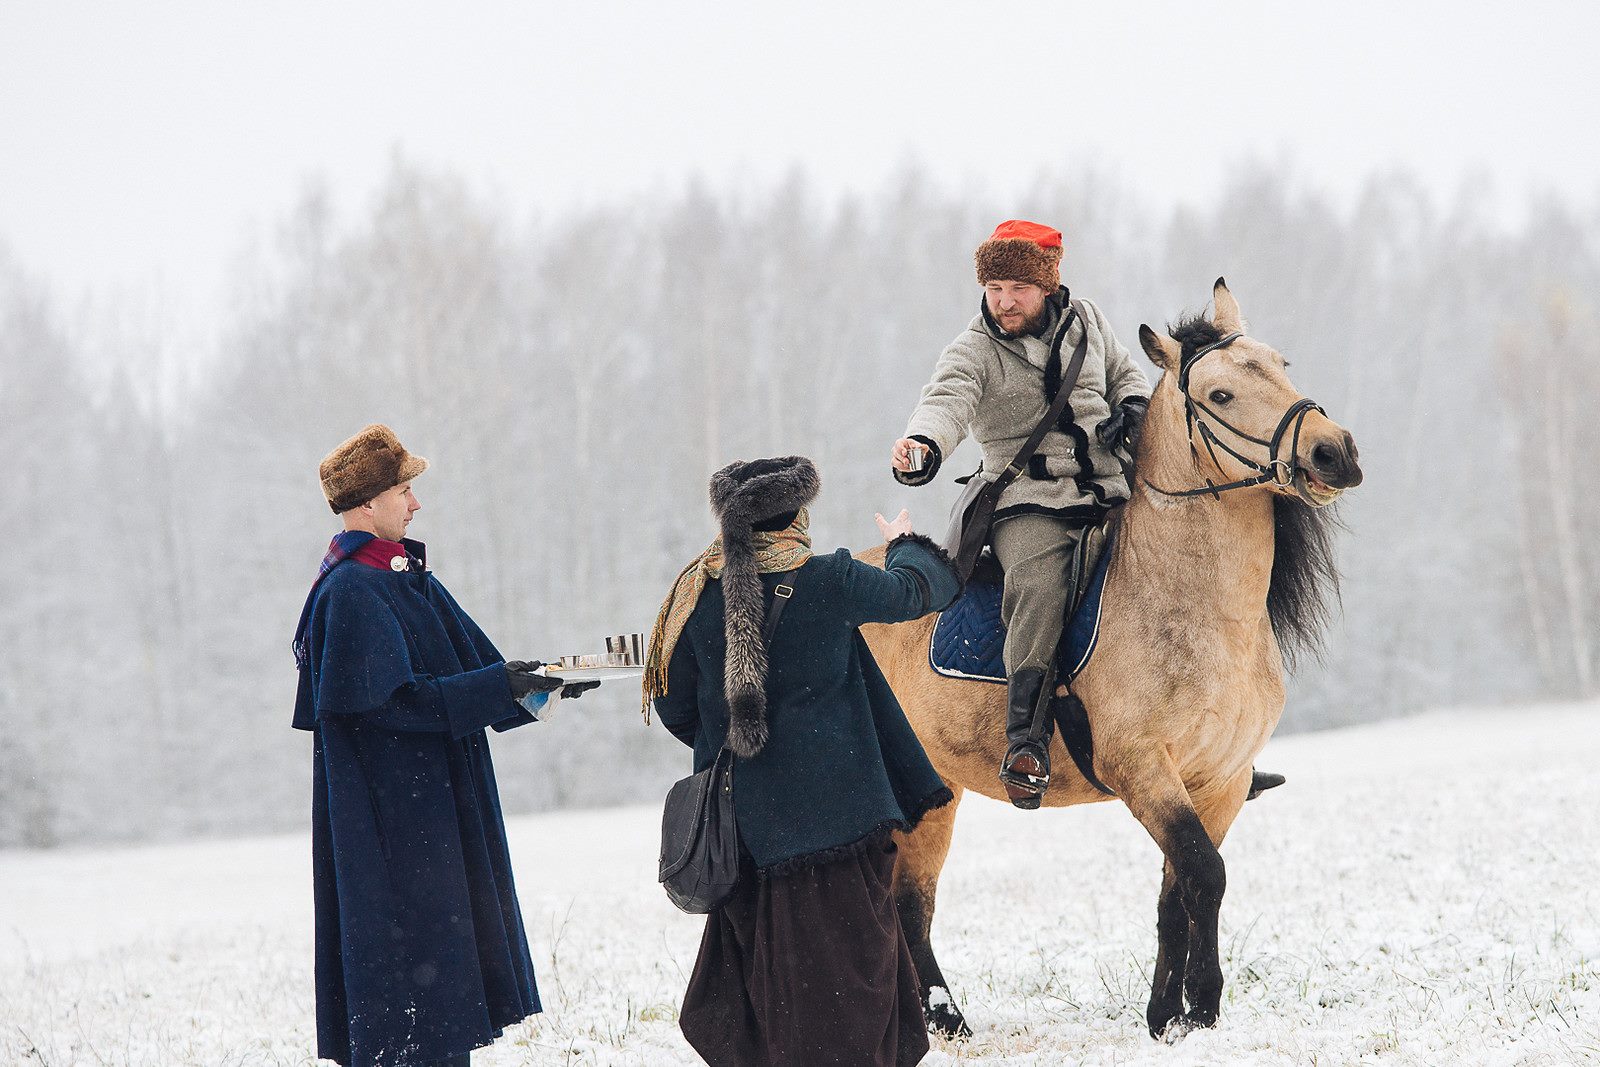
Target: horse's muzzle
(1334, 462)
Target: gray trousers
(1036, 552)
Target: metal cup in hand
(916, 457)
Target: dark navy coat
(841, 763)
(421, 953)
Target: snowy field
(1422, 892)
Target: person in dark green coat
(807, 964)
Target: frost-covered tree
(576, 377)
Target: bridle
(1279, 472)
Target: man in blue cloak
(420, 950)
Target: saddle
(968, 636)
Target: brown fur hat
(364, 466)
(1020, 251)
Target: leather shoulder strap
(780, 599)
(1069, 380)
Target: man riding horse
(998, 381)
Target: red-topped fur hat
(1021, 251)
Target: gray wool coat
(994, 388)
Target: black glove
(574, 690)
(521, 677)
(1122, 429)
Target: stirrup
(1025, 785)
(1261, 781)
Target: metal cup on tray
(624, 655)
(629, 646)
(590, 661)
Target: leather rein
(1279, 472)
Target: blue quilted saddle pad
(968, 636)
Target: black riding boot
(1026, 768)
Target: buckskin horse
(1221, 567)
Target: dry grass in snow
(1422, 892)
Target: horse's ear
(1228, 318)
(1164, 352)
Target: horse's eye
(1220, 396)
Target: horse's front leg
(1202, 879)
(1203, 977)
(1195, 879)
(1172, 954)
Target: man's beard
(1030, 326)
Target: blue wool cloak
(420, 948)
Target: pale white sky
(141, 144)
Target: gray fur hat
(742, 494)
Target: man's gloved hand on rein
(1122, 429)
(522, 677)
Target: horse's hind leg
(1194, 880)
(916, 883)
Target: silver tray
(594, 674)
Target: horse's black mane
(1194, 332)
(1305, 576)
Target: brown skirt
(808, 968)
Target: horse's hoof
(1176, 1030)
(949, 1025)
(1158, 1021)
(944, 1018)
(1180, 1027)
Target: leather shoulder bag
(973, 513)
(699, 837)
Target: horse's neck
(1209, 554)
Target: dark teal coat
(420, 949)
(841, 763)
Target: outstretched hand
(900, 525)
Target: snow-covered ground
(1422, 892)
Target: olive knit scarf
(771, 553)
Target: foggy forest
(574, 380)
